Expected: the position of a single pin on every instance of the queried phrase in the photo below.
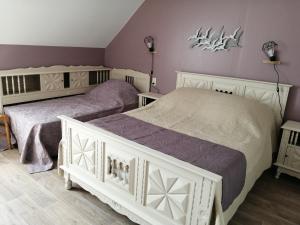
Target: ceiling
(76, 23)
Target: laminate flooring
(41, 199)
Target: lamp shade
(149, 42)
(270, 49)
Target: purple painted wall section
(172, 21)
(18, 56)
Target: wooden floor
(40, 199)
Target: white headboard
(31, 84)
(263, 92)
(140, 80)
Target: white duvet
(233, 121)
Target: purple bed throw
(38, 131)
(221, 160)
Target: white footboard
(145, 185)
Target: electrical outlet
(154, 81)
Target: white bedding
(236, 122)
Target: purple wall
(172, 21)
(18, 56)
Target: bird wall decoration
(215, 41)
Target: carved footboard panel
(147, 186)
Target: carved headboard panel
(264, 92)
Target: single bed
(144, 164)
(36, 127)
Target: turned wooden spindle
(109, 163)
(126, 174)
(120, 171)
(114, 167)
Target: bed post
(1, 97)
(68, 182)
(219, 217)
(63, 152)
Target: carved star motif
(78, 80)
(52, 81)
(168, 195)
(84, 153)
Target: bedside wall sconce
(270, 50)
(149, 42)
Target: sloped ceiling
(75, 23)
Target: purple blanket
(228, 163)
(37, 128)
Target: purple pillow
(116, 90)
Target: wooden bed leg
(213, 215)
(278, 173)
(5, 119)
(68, 182)
(217, 211)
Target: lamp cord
(151, 74)
(277, 90)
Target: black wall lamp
(270, 49)
(149, 42)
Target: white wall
(74, 23)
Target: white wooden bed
(31, 84)
(200, 189)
